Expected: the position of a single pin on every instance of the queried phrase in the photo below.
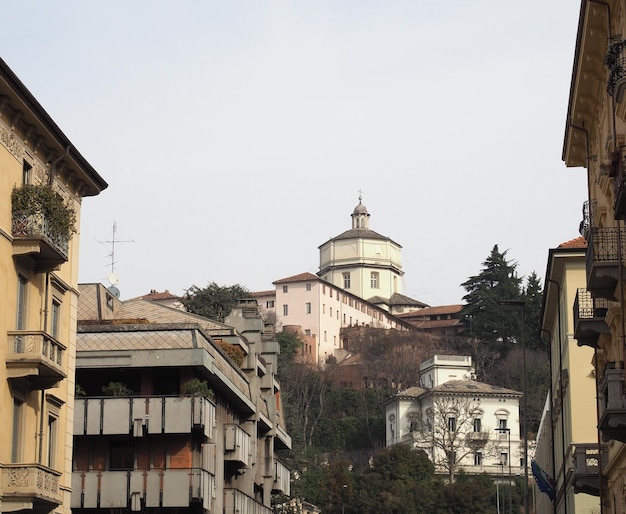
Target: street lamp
(522, 304)
(508, 433)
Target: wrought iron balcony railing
(615, 60)
(589, 318)
(612, 422)
(37, 356)
(32, 236)
(589, 213)
(606, 249)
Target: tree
(446, 430)
(488, 321)
(533, 298)
(213, 301)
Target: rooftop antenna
(113, 278)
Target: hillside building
(43, 179)
(595, 139)
(459, 422)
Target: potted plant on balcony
(197, 387)
(116, 389)
(41, 209)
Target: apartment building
(43, 180)
(459, 422)
(567, 443)
(319, 310)
(175, 412)
(595, 139)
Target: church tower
(362, 261)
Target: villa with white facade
(459, 422)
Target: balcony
(144, 415)
(584, 474)
(612, 423)
(30, 483)
(603, 261)
(137, 489)
(36, 356)
(236, 445)
(236, 502)
(589, 318)
(32, 237)
(282, 479)
(477, 440)
(615, 60)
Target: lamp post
(522, 304)
(508, 433)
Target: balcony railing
(584, 468)
(236, 445)
(282, 479)
(31, 483)
(603, 260)
(32, 236)
(144, 415)
(612, 423)
(236, 502)
(589, 318)
(615, 60)
(37, 356)
(137, 489)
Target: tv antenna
(113, 278)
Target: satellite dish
(113, 279)
(114, 291)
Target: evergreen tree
(490, 322)
(533, 298)
(213, 301)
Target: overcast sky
(235, 136)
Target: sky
(236, 137)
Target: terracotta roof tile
(579, 242)
(301, 277)
(154, 295)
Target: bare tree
(450, 430)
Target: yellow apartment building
(567, 443)
(595, 139)
(43, 180)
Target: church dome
(360, 209)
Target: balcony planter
(42, 224)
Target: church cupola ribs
(360, 217)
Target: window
(325, 336)
(451, 423)
(26, 173)
(52, 440)
(20, 322)
(285, 310)
(18, 429)
(504, 459)
(346, 280)
(308, 287)
(269, 304)
(55, 319)
(477, 424)
(323, 308)
(374, 280)
(331, 311)
(414, 426)
(307, 332)
(308, 307)
(122, 455)
(478, 459)
(502, 424)
(285, 289)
